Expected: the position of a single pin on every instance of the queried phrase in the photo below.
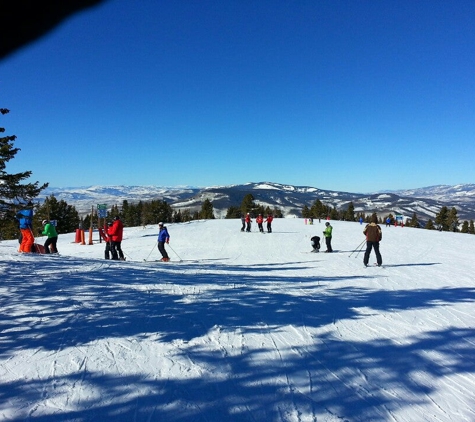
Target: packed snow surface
(240, 327)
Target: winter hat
(160, 224)
(44, 222)
(327, 223)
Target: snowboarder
(163, 237)
(116, 233)
(27, 239)
(50, 231)
(327, 233)
(315, 240)
(259, 221)
(248, 222)
(269, 220)
(373, 235)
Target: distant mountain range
(425, 202)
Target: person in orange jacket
(116, 232)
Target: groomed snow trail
(245, 327)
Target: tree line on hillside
(249, 205)
(445, 219)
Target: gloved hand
(168, 240)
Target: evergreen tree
(157, 211)
(177, 217)
(14, 195)
(248, 205)
(414, 222)
(464, 228)
(186, 215)
(306, 212)
(334, 214)
(318, 210)
(471, 228)
(277, 213)
(349, 215)
(453, 220)
(66, 216)
(430, 225)
(442, 219)
(207, 210)
(114, 212)
(233, 212)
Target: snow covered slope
(240, 327)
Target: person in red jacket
(108, 241)
(269, 220)
(248, 222)
(259, 221)
(115, 233)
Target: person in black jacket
(315, 240)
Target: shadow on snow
(65, 308)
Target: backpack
(24, 217)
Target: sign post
(101, 213)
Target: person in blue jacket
(24, 218)
(163, 237)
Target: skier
(243, 221)
(27, 239)
(388, 222)
(327, 233)
(116, 233)
(248, 222)
(315, 240)
(269, 220)
(373, 235)
(163, 237)
(50, 231)
(107, 251)
(259, 221)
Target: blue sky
(355, 96)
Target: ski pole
(146, 259)
(360, 245)
(174, 252)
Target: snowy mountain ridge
(425, 202)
